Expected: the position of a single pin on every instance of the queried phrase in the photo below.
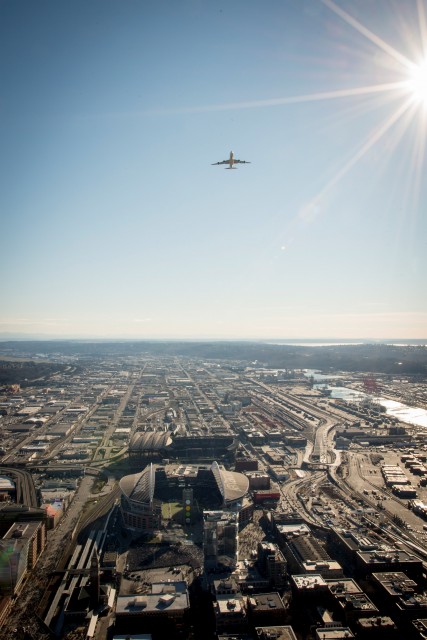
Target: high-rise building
(272, 564)
(220, 539)
(20, 549)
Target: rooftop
(266, 602)
(396, 583)
(163, 599)
(275, 633)
(345, 585)
(229, 605)
(313, 581)
(334, 633)
(139, 486)
(232, 485)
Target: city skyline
(114, 222)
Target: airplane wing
(222, 162)
(241, 161)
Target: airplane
(231, 160)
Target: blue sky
(114, 221)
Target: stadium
(212, 487)
(158, 445)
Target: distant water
(412, 415)
(349, 395)
(309, 343)
(348, 343)
(319, 377)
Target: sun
(417, 83)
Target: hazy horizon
(115, 224)
(320, 341)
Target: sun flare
(418, 82)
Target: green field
(170, 509)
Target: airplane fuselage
(232, 161)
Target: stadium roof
(150, 441)
(232, 485)
(139, 486)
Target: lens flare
(418, 82)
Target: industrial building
(305, 554)
(399, 596)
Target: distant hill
(380, 358)
(28, 373)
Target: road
(25, 489)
